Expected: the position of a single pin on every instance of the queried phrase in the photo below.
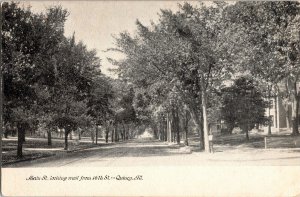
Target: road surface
(148, 152)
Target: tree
(100, 104)
(186, 48)
(48, 80)
(126, 112)
(15, 66)
(292, 52)
(187, 118)
(76, 69)
(270, 32)
(25, 38)
(243, 105)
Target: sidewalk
(35, 148)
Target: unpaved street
(148, 152)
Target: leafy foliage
(243, 105)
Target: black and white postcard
(150, 98)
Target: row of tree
(184, 60)
(52, 82)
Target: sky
(94, 22)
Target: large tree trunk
(66, 139)
(97, 129)
(169, 131)
(295, 112)
(1, 106)
(166, 130)
(287, 115)
(276, 113)
(7, 129)
(128, 131)
(270, 121)
(204, 112)
(21, 134)
(5, 132)
(173, 125)
(162, 125)
(245, 129)
(116, 134)
(159, 130)
(160, 134)
(49, 138)
(247, 133)
(163, 130)
(122, 135)
(106, 133)
(124, 131)
(155, 130)
(186, 125)
(113, 133)
(125, 136)
(92, 136)
(199, 126)
(177, 126)
(269, 110)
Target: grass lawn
(256, 141)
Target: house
(280, 112)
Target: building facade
(280, 113)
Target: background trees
(100, 105)
(243, 105)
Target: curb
(58, 153)
(76, 150)
(28, 159)
(45, 156)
